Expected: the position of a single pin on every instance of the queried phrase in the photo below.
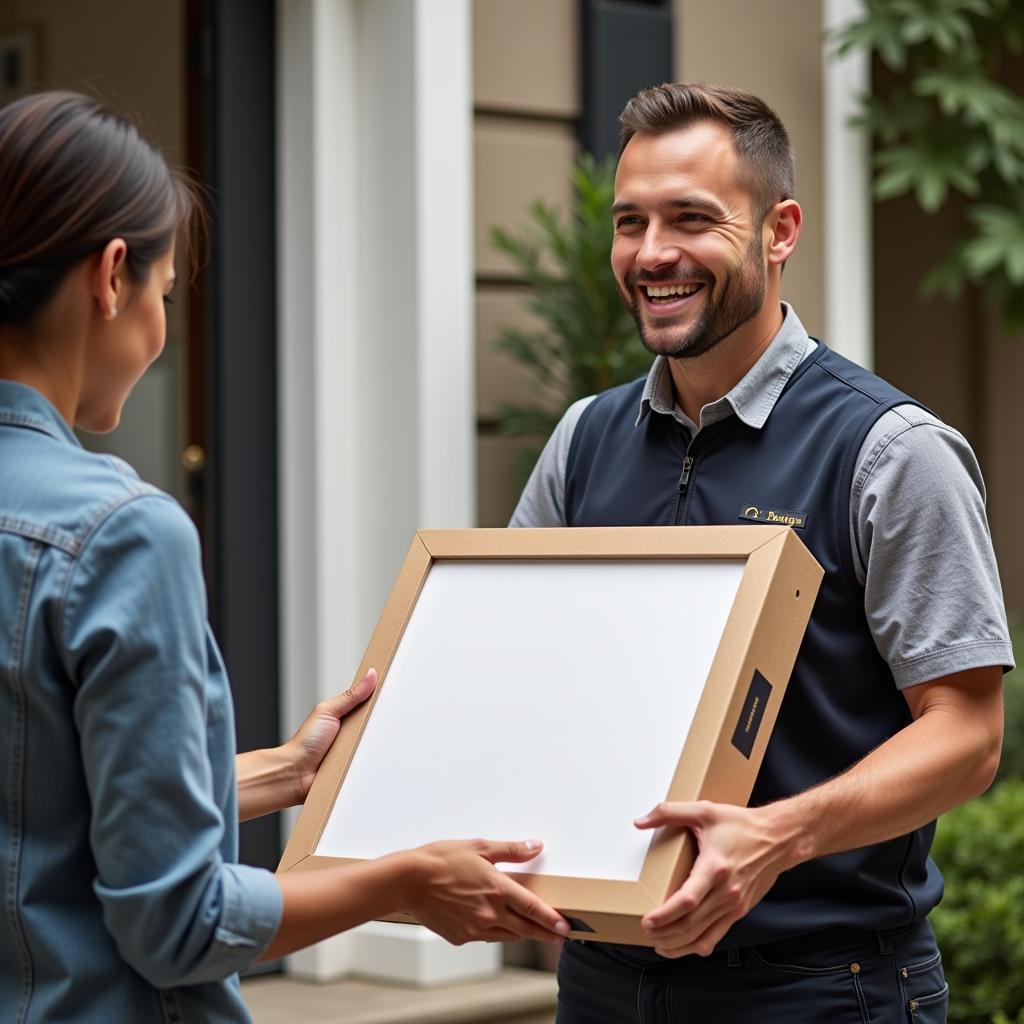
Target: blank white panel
(545, 700)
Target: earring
(113, 312)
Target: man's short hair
(766, 156)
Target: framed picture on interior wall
(19, 61)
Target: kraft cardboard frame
(758, 645)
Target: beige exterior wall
(526, 97)
(525, 57)
(778, 56)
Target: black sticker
(577, 925)
(751, 715)
(775, 516)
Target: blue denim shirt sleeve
(133, 632)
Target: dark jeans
(838, 976)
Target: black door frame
(232, 95)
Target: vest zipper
(681, 487)
(689, 462)
(684, 479)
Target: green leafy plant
(980, 922)
(951, 126)
(586, 340)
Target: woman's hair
(73, 176)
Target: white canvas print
(536, 699)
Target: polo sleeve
(932, 594)
(134, 639)
(542, 502)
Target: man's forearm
(946, 756)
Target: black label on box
(751, 715)
(577, 925)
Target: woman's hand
(463, 897)
(308, 747)
(270, 780)
(453, 888)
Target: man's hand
(742, 851)
(463, 897)
(948, 754)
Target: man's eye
(694, 218)
(627, 222)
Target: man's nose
(657, 250)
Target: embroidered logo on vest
(781, 517)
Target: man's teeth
(672, 289)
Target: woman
(118, 835)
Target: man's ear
(109, 278)
(783, 223)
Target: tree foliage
(586, 340)
(952, 127)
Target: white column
(849, 295)
(375, 357)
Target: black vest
(841, 701)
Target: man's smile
(666, 299)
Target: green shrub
(980, 922)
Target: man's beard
(742, 297)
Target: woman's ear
(109, 279)
(784, 220)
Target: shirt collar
(23, 406)
(753, 398)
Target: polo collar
(753, 397)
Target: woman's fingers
(341, 704)
(543, 922)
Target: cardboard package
(556, 684)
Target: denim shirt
(123, 901)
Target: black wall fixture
(627, 46)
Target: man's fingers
(687, 928)
(343, 703)
(523, 903)
(677, 815)
(687, 899)
(703, 945)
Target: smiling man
(810, 905)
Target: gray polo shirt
(910, 461)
